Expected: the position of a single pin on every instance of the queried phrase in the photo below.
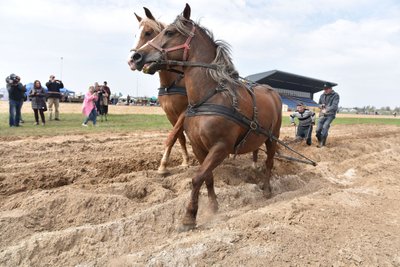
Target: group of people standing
(98, 97)
(96, 103)
(328, 104)
(38, 96)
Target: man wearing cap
(54, 96)
(306, 119)
(16, 94)
(329, 104)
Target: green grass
(71, 124)
(349, 121)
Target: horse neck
(198, 83)
(167, 78)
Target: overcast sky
(355, 43)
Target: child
(306, 120)
(89, 107)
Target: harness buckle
(253, 125)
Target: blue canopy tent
(63, 91)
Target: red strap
(185, 46)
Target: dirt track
(98, 201)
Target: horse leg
(182, 139)
(169, 143)
(269, 163)
(255, 158)
(162, 169)
(212, 197)
(214, 157)
(185, 154)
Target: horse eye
(169, 33)
(148, 33)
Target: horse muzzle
(148, 66)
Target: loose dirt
(97, 200)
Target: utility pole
(61, 68)
(137, 86)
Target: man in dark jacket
(16, 94)
(54, 95)
(329, 104)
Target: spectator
(21, 120)
(54, 96)
(89, 107)
(97, 89)
(106, 98)
(328, 103)
(16, 94)
(306, 120)
(38, 96)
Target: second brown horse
(172, 92)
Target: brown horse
(225, 116)
(172, 92)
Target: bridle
(186, 47)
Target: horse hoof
(254, 166)
(213, 207)
(163, 172)
(267, 193)
(185, 227)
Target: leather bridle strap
(185, 46)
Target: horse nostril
(137, 57)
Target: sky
(355, 43)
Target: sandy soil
(97, 200)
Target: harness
(232, 113)
(173, 89)
(203, 108)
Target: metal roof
(286, 80)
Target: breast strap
(174, 90)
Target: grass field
(71, 124)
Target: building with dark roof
(292, 88)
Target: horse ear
(138, 17)
(148, 13)
(186, 12)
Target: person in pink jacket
(89, 107)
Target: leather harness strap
(232, 113)
(174, 90)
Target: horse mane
(156, 25)
(226, 71)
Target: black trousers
(36, 112)
(305, 132)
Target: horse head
(149, 28)
(173, 43)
